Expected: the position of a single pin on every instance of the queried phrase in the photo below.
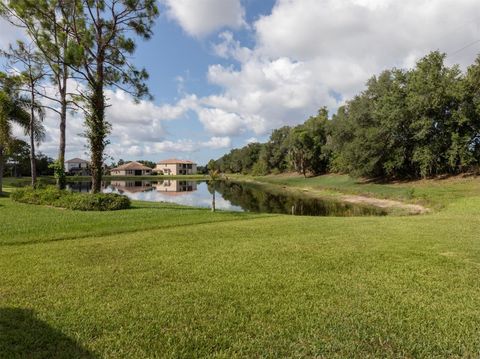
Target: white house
(77, 166)
(175, 167)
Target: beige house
(175, 167)
(131, 169)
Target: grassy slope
(241, 285)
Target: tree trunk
(213, 200)
(63, 122)
(33, 161)
(97, 133)
(2, 159)
(97, 126)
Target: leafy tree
(464, 152)
(102, 33)
(212, 165)
(277, 149)
(17, 158)
(300, 154)
(433, 99)
(150, 164)
(316, 127)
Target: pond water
(229, 196)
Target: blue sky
(226, 72)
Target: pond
(230, 196)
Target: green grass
(169, 281)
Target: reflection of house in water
(132, 186)
(176, 187)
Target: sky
(224, 73)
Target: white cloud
(312, 53)
(177, 146)
(201, 17)
(216, 143)
(228, 47)
(220, 122)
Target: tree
(432, 100)
(46, 24)
(11, 111)
(101, 31)
(277, 149)
(150, 164)
(212, 165)
(317, 129)
(299, 153)
(17, 158)
(28, 82)
(464, 152)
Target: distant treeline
(406, 124)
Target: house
(77, 166)
(175, 167)
(131, 169)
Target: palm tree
(214, 176)
(10, 112)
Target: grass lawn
(169, 281)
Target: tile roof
(76, 160)
(174, 161)
(131, 166)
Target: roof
(132, 166)
(76, 160)
(175, 161)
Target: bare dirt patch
(385, 203)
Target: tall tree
(29, 80)
(102, 33)
(46, 23)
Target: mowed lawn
(168, 281)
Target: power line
(465, 47)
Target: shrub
(96, 202)
(52, 196)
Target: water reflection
(229, 196)
(253, 199)
(131, 186)
(175, 186)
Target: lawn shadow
(22, 335)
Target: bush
(96, 202)
(52, 196)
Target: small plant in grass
(59, 174)
(52, 196)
